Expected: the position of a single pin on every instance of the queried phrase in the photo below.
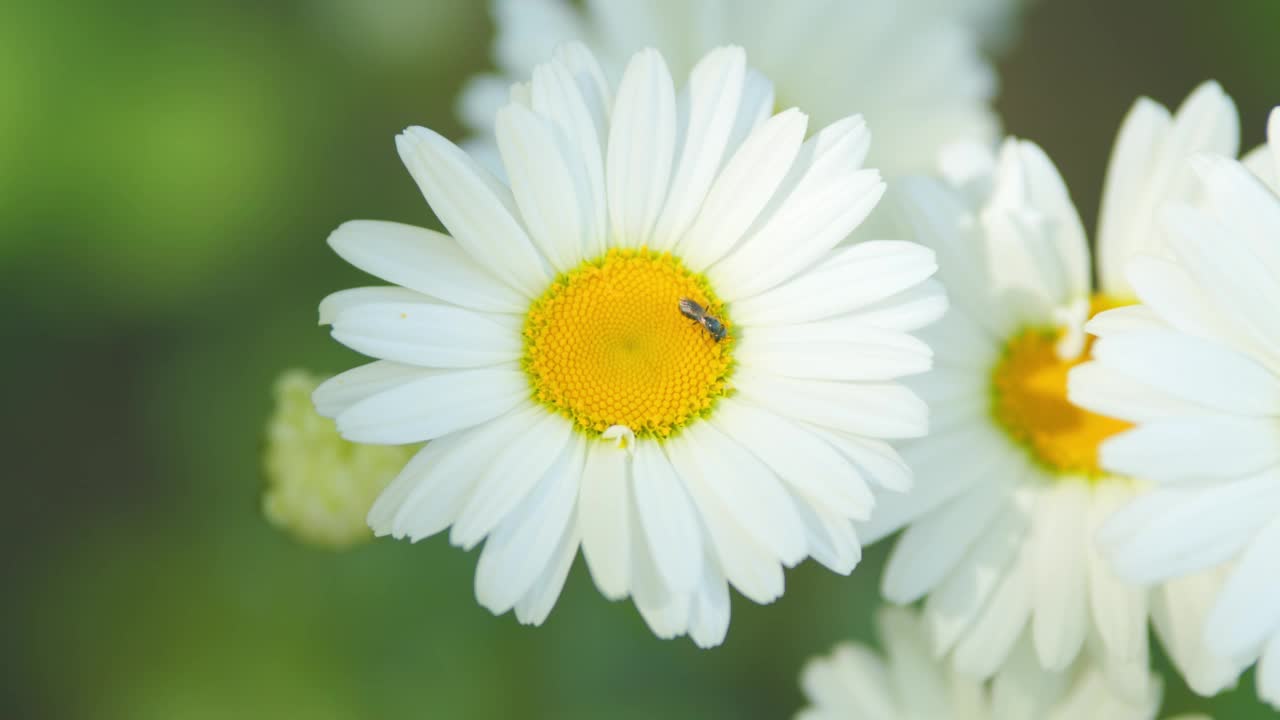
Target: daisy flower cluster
(676, 323)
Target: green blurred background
(168, 175)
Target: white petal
(668, 519)
(427, 334)
(1273, 138)
(642, 142)
(714, 92)
(909, 310)
(1250, 211)
(833, 541)
(449, 491)
(1130, 318)
(1119, 609)
(346, 389)
(1125, 212)
(828, 198)
(878, 460)
(1168, 290)
(603, 514)
(1178, 612)
(1100, 388)
(1194, 448)
(914, 673)
(1260, 162)
(810, 466)
(942, 220)
(1058, 573)
(962, 598)
(434, 405)
(570, 99)
(1023, 689)
(546, 186)
(754, 110)
(1206, 122)
(849, 279)
(1194, 370)
(751, 494)
(752, 569)
(743, 189)
(1247, 612)
(522, 547)
(1034, 260)
(821, 352)
(1048, 194)
(852, 683)
(425, 261)
(336, 303)
(984, 648)
(536, 604)
(665, 612)
(477, 209)
(1269, 670)
(592, 85)
(709, 609)
(939, 478)
(934, 545)
(1174, 531)
(878, 410)
(510, 474)
(1234, 279)
(428, 494)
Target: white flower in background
(319, 486)
(1008, 489)
(915, 74)
(1196, 368)
(908, 683)
(571, 397)
(995, 21)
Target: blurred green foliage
(168, 174)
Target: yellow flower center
(1029, 400)
(607, 345)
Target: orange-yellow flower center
(607, 345)
(1029, 400)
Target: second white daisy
(1009, 492)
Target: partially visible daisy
(1009, 491)
(319, 486)
(647, 344)
(1196, 368)
(908, 683)
(914, 72)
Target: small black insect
(698, 314)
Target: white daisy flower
(648, 343)
(1009, 491)
(1196, 368)
(915, 73)
(319, 486)
(908, 683)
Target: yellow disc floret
(606, 345)
(1029, 400)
